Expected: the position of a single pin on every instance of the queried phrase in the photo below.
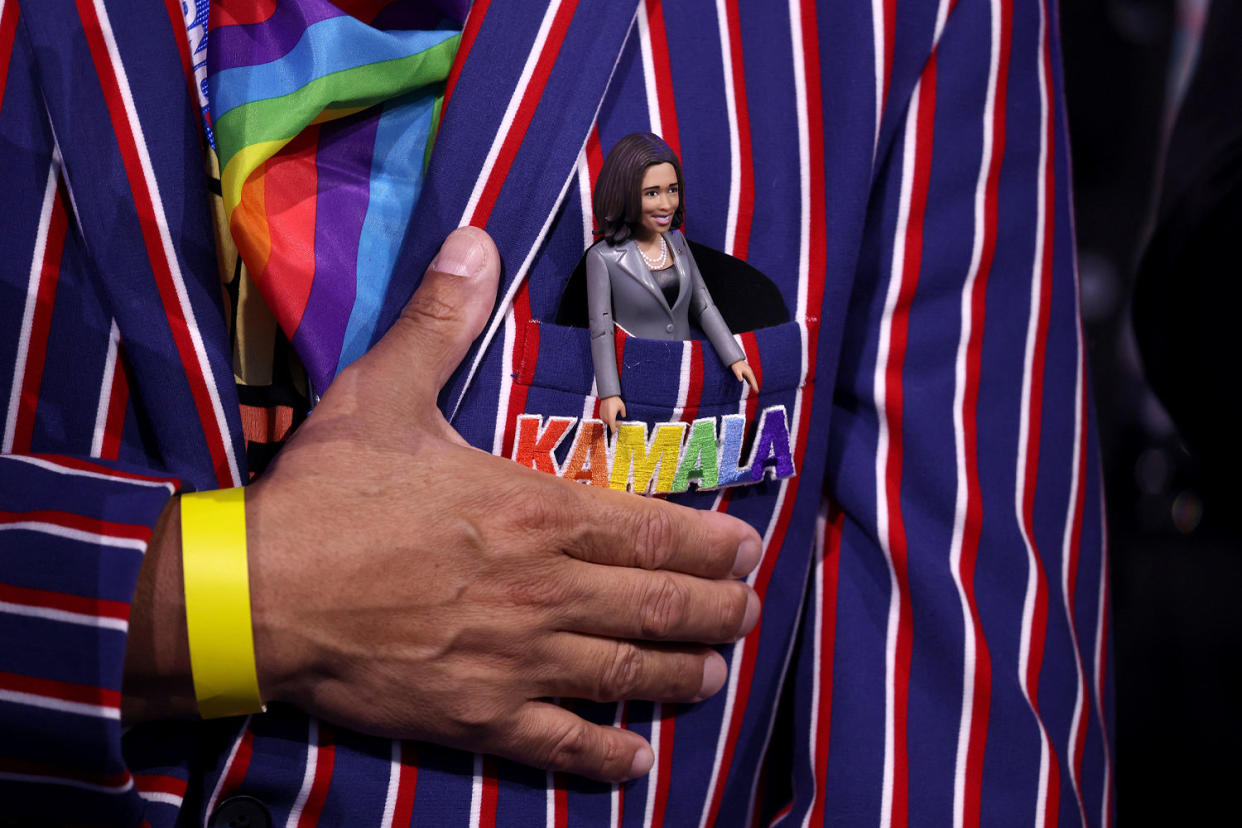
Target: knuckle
(655, 536)
(621, 675)
(664, 608)
(428, 306)
(568, 748)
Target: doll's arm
(704, 310)
(599, 309)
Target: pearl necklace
(658, 263)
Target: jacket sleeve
(704, 310)
(599, 308)
(73, 530)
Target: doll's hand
(609, 409)
(741, 370)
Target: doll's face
(659, 198)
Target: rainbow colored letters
(668, 459)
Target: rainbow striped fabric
(322, 114)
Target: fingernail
(752, 614)
(748, 555)
(461, 254)
(643, 760)
(714, 675)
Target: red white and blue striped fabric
(934, 645)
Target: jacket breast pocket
(690, 430)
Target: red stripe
(241, 12)
(158, 783)
(41, 323)
(829, 576)
(474, 21)
(982, 691)
(666, 101)
(407, 785)
(18, 766)
(525, 356)
(79, 464)
(750, 347)
(149, 225)
(526, 110)
(890, 40)
(82, 523)
(291, 184)
(694, 385)
(62, 690)
(118, 402)
(235, 772)
(668, 730)
(1101, 679)
(746, 183)
(324, 760)
(1039, 625)
(63, 601)
(487, 801)
(8, 34)
(817, 267)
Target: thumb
(444, 315)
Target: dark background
(1175, 551)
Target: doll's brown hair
(618, 196)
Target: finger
(609, 670)
(444, 315)
(751, 380)
(621, 602)
(551, 737)
(654, 534)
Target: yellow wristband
(217, 603)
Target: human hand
(609, 409)
(405, 584)
(741, 370)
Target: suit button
(240, 812)
(669, 327)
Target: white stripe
(105, 391)
(72, 783)
(74, 534)
(649, 78)
(394, 783)
(50, 614)
(549, 807)
(476, 792)
(49, 465)
(882, 450)
(735, 151)
(583, 169)
(683, 379)
(877, 41)
(1100, 655)
(653, 776)
(32, 295)
(170, 254)
(308, 776)
(614, 797)
(506, 383)
(162, 798)
(228, 767)
(743, 396)
(1028, 604)
(817, 575)
(506, 121)
(970, 645)
(1066, 548)
(99, 711)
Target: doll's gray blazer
(622, 291)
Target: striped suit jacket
(934, 642)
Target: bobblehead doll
(641, 276)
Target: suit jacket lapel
(631, 261)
